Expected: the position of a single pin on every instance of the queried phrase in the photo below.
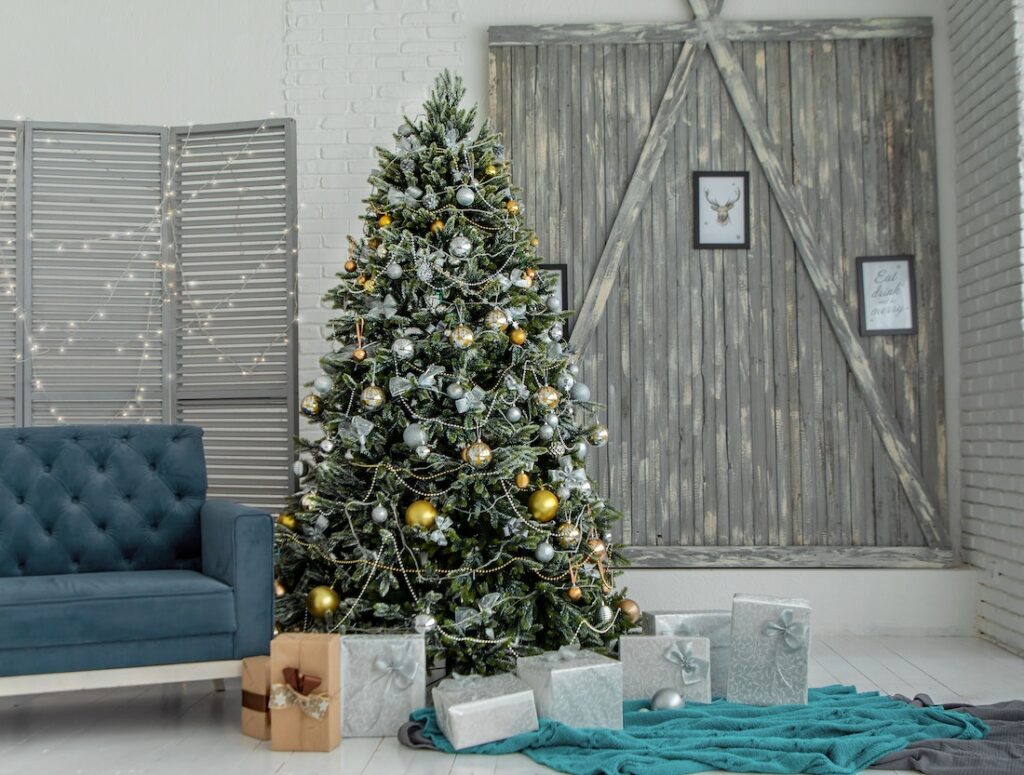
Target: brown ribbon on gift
(255, 701)
(298, 690)
(303, 684)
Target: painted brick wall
(987, 100)
(352, 68)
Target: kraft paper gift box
(473, 710)
(714, 625)
(383, 680)
(305, 701)
(653, 662)
(255, 696)
(576, 687)
(771, 638)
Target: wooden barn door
(741, 432)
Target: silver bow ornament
(385, 308)
(572, 477)
(793, 635)
(426, 381)
(437, 534)
(358, 429)
(517, 387)
(471, 400)
(409, 198)
(693, 668)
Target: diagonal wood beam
(816, 263)
(664, 123)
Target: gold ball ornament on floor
(512, 206)
(575, 594)
(547, 397)
(543, 505)
(287, 520)
(490, 170)
(522, 480)
(597, 548)
(420, 514)
(350, 265)
(359, 355)
(630, 610)
(462, 336)
(321, 601)
(437, 226)
(311, 405)
(517, 336)
(478, 454)
(496, 320)
(567, 535)
(384, 221)
(372, 397)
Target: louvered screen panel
(9, 134)
(234, 240)
(96, 282)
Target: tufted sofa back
(91, 498)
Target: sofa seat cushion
(79, 608)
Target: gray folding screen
(147, 275)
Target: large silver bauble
(544, 552)
(465, 196)
(379, 514)
(327, 446)
(556, 331)
(322, 384)
(455, 391)
(424, 623)
(403, 348)
(552, 420)
(666, 699)
(546, 432)
(580, 450)
(514, 414)
(460, 246)
(554, 303)
(414, 435)
(393, 270)
(580, 392)
(565, 381)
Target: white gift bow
(693, 668)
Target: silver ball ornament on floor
(514, 414)
(414, 435)
(460, 246)
(322, 384)
(455, 391)
(544, 552)
(580, 392)
(379, 514)
(666, 699)
(393, 270)
(465, 196)
(402, 348)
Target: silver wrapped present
(473, 709)
(771, 638)
(714, 625)
(653, 662)
(383, 680)
(578, 688)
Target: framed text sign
(888, 296)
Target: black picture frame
(700, 244)
(562, 270)
(864, 262)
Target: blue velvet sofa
(112, 557)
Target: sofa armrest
(238, 550)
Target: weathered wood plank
(796, 29)
(790, 557)
(796, 216)
(622, 373)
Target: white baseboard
(126, 676)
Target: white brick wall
(988, 112)
(352, 67)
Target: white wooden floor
(191, 730)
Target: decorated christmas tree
(447, 492)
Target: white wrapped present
(771, 638)
(578, 688)
(473, 709)
(653, 662)
(715, 625)
(383, 680)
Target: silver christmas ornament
(414, 435)
(581, 449)
(574, 369)
(404, 130)
(544, 552)
(514, 414)
(556, 331)
(379, 514)
(455, 391)
(322, 384)
(299, 467)
(607, 536)
(407, 165)
(423, 451)
(393, 270)
(565, 381)
(580, 392)
(599, 435)
(402, 348)
(546, 432)
(666, 699)
(604, 614)
(424, 623)
(327, 446)
(460, 246)
(465, 196)
(554, 303)
(552, 420)
(563, 493)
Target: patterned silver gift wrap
(576, 687)
(383, 679)
(653, 662)
(473, 710)
(715, 625)
(771, 638)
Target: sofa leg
(218, 684)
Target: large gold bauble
(322, 601)
(372, 397)
(359, 355)
(350, 265)
(462, 336)
(496, 320)
(437, 226)
(478, 454)
(384, 221)
(512, 206)
(547, 397)
(630, 610)
(543, 505)
(517, 336)
(287, 520)
(575, 594)
(311, 405)
(420, 514)
(490, 170)
(598, 550)
(522, 480)
(567, 535)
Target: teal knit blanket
(838, 731)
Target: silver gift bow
(516, 386)
(693, 668)
(410, 197)
(401, 385)
(387, 308)
(398, 669)
(792, 634)
(284, 696)
(471, 400)
(567, 474)
(358, 429)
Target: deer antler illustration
(722, 210)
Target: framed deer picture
(721, 210)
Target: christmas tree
(448, 491)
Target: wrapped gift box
(305, 689)
(255, 695)
(653, 662)
(771, 638)
(383, 680)
(578, 688)
(713, 625)
(473, 710)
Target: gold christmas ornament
(322, 601)
(279, 590)
(287, 520)
(478, 454)
(534, 240)
(496, 320)
(547, 397)
(575, 594)
(517, 336)
(522, 480)
(543, 505)
(568, 535)
(372, 397)
(373, 244)
(530, 272)
(526, 280)
(384, 221)
(421, 514)
(350, 265)
(512, 206)
(437, 226)
(359, 355)
(370, 284)
(598, 550)
(312, 405)
(630, 610)
(361, 280)
(599, 435)
(490, 170)
(462, 336)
